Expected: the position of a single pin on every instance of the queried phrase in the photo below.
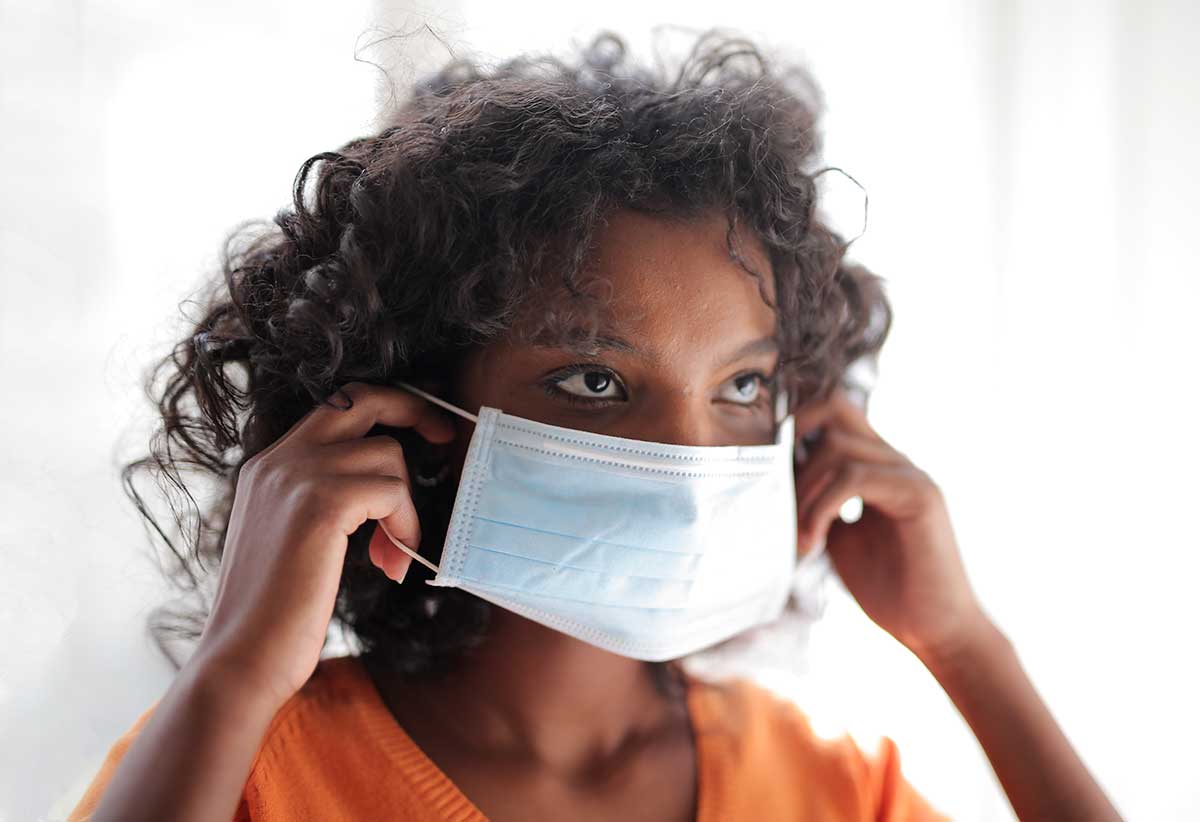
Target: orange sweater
(334, 752)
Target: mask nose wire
(453, 409)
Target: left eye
(743, 389)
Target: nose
(680, 419)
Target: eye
(586, 383)
(745, 389)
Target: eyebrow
(763, 345)
(588, 344)
(592, 345)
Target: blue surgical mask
(649, 550)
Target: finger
(835, 447)
(892, 489)
(390, 559)
(383, 456)
(804, 543)
(402, 531)
(379, 454)
(384, 498)
(357, 407)
(836, 410)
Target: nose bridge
(682, 418)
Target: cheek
(458, 451)
(467, 383)
(752, 427)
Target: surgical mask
(649, 550)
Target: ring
(851, 510)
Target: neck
(535, 693)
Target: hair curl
(403, 249)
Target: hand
(900, 560)
(295, 505)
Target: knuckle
(320, 499)
(354, 392)
(398, 485)
(251, 468)
(385, 454)
(930, 489)
(836, 438)
(394, 451)
(403, 493)
(259, 469)
(851, 472)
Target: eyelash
(550, 385)
(765, 383)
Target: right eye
(585, 384)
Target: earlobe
(804, 446)
(431, 473)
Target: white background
(1032, 176)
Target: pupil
(595, 381)
(745, 384)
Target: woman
(627, 264)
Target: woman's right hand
(295, 506)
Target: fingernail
(851, 510)
(395, 541)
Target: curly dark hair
(404, 249)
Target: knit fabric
(334, 752)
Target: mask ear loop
(438, 401)
(453, 409)
(781, 405)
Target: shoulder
(761, 743)
(336, 690)
(338, 684)
(315, 720)
(762, 724)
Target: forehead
(662, 280)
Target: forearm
(1036, 765)
(192, 758)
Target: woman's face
(684, 352)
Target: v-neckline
(435, 786)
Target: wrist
(977, 641)
(224, 685)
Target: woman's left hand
(900, 560)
